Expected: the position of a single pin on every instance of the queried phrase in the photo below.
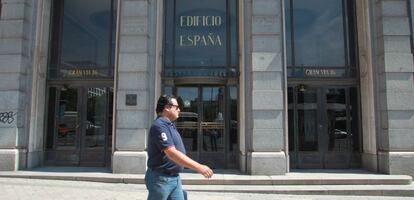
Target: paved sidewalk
(34, 189)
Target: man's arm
(183, 160)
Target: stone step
(351, 190)
(299, 179)
(305, 182)
(227, 178)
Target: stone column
(395, 88)
(15, 78)
(366, 71)
(133, 70)
(265, 89)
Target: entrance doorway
(323, 127)
(208, 129)
(79, 126)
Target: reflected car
(339, 134)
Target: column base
(396, 163)
(370, 162)
(129, 162)
(266, 163)
(12, 159)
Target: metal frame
(81, 130)
(228, 65)
(55, 51)
(351, 71)
(322, 121)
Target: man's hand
(183, 160)
(205, 171)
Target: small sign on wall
(131, 99)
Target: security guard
(166, 154)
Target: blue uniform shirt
(163, 134)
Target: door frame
(324, 157)
(202, 155)
(80, 149)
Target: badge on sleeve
(164, 136)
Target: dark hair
(163, 101)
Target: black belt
(166, 172)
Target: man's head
(167, 106)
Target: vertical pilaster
(15, 75)
(395, 88)
(265, 90)
(133, 70)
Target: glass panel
(318, 33)
(83, 39)
(168, 34)
(67, 122)
(200, 29)
(95, 118)
(339, 137)
(233, 126)
(109, 122)
(213, 119)
(187, 123)
(354, 118)
(233, 33)
(51, 118)
(412, 20)
(307, 120)
(85, 35)
(291, 121)
(288, 33)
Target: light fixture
(301, 88)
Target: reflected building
(264, 86)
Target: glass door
(97, 120)
(202, 123)
(212, 127)
(79, 126)
(323, 127)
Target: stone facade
(394, 87)
(386, 79)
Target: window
(320, 38)
(411, 11)
(83, 39)
(200, 38)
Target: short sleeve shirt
(163, 134)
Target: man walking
(166, 154)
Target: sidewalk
(35, 189)
(320, 182)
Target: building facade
(264, 86)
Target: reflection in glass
(95, 117)
(339, 136)
(291, 122)
(307, 120)
(204, 43)
(233, 126)
(200, 34)
(354, 118)
(51, 117)
(411, 2)
(318, 33)
(213, 119)
(83, 38)
(67, 120)
(187, 123)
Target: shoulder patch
(164, 136)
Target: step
(338, 177)
(354, 190)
